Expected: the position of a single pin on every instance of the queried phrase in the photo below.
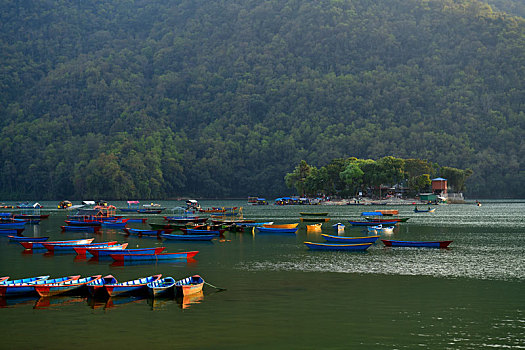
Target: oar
(218, 288)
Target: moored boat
(370, 223)
(96, 288)
(153, 256)
(53, 247)
(138, 286)
(192, 237)
(141, 232)
(312, 219)
(23, 280)
(27, 239)
(429, 210)
(82, 250)
(39, 245)
(275, 230)
(350, 240)
(12, 231)
(16, 289)
(337, 246)
(77, 287)
(419, 244)
(162, 287)
(92, 229)
(281, 225)
(189, 285)
(106, 252)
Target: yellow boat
(282, 226)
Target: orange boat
(282, 226)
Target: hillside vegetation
(128, 99)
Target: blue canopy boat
(423, 244)
(162, 287)
(350, 240)
(337, 246)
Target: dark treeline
(348, 177)
(158, 99)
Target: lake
(280, 295)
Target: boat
(2, 279)
(339, 227)
(387, 229)
(308, 219)
(140, 232)
(6, 281)
(192, 231)
(312, 214)
(153, 256)
(133, 206)
(14, 231)
(92, 229)
(64, 204)
(350, 240)
(370, 223)
(13, 225)
(96, 288)
(106, 252)
(82, 250)
(152, 208)
(429, 210)
(424, 244)
(275, 230)
(374, 229)
(137, 220)
(39, 245)
(115, 224)
(255, 224)
(189, 285)
(53, 247)
(166, 226)
(81, 223)
(162, 287)
(77, 287)
(191, 237)
(389, 219)
(314, 227)
(27, 239)
(281, 225)
(137, 286)
(16, 289)
(337, 246)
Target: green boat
(313, 214)
(315, 219)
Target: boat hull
(153, 257)
(276, 230)
(417, 244)
(138, 286)
(189, 285)
(370, 223)
(188, 237)
(350, 240)
(77, 287)
(338, 246)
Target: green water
(280, 295)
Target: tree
(297, 178)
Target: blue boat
(141, 232)
(17, 289)
(337, 246)
(193, 231)
(92, 229)
(350, 240)
(27, 239)
(188, 237)
(14, 231)
(71, 287)
(138, 286)
(421, 244)
(96, 287)
(115, 224)
(24, 280)
(153, 256)
(162, 287)
(370, 223)
(276, 230)
(106, 252)
(13, 225)
(71, 247)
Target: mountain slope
(145, 99)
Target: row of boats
(100, 287)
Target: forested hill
(128, 99)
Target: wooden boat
(429, 210)
(92, 229)
(350, 240)
(339, 227)
(192, 231)
(369, 223)
(281, 225)
(96, 288)
(77, 287)
(83, 223)
(337, 246)
(141, 232)
(2, 279)
(53, 247)
(14, 231)
(374, 229)
(106, 252)
(388, 212)
(153, 256)
(425, 244)
(185, 220)
(189, 285)
(314, 227)
(137, 220)
(191, 237)
(275, 230)
(137, 286)
(312, 214)
(39, 245)
(16, 289)
(27, 239)
(167, 226)
(255, 224)
(82, 250)
(115, 224)
(6, 280)
(386, 229)
(315, 219)
(390, 219)
(162, 287)
(14, 225)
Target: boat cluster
(100, 287)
